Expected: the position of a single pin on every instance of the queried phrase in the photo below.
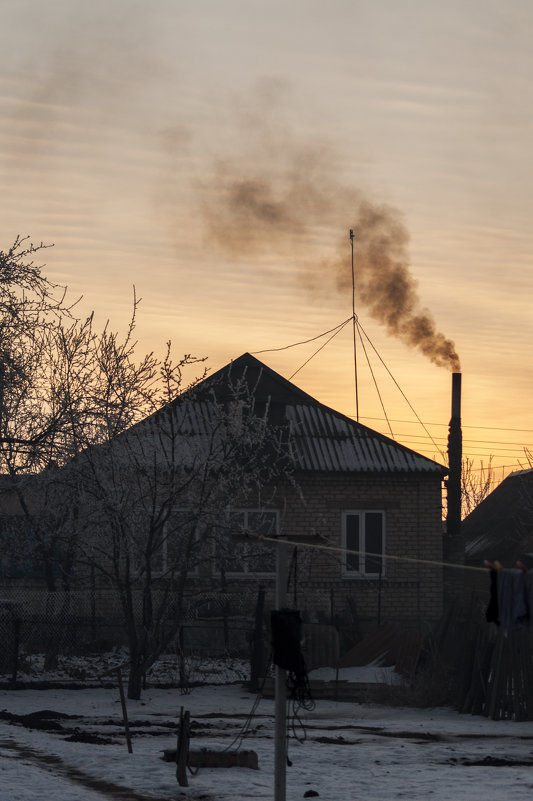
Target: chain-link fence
(80, 636)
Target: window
(235, 557)
(363, 537)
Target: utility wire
(483, 428)
(482, 442)
(388, 557)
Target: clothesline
(388, 557)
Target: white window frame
(246, 573)
(361, 572)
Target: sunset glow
(216, 155)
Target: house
(365, 511)
(362, 513)
(501, 527)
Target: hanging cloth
(513, 607)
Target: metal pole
(354, 322)
(280, 733)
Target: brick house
(364, 511)
(361, 505)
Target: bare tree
(121, 464)
(31, 307)
(32, 411)
(157, 497)
(476, 484)
(527, 462)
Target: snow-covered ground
(344, 751)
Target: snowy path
(34, 771)
(351, 751)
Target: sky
(350, 750)
(215, 155)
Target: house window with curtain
(237, 553)
(363, 543)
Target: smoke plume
(386, 287)
(279, 192)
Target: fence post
(124, 710)
(256, 661)
(16, 649)
(183, 672)
(93, 603)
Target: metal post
(354, 323)
(280, 733)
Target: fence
(79, 636)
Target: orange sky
(215, 155)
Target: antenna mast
(354, 331)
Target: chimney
(455, 456)
(453, 545)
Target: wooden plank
(204, 758)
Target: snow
(345, 750)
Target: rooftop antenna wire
(354, 330)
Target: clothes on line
(511, 599)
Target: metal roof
(319, 439)
(324, 440)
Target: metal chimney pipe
(455, 457)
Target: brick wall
(409, 594)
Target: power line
(489, 444)
(483, 428)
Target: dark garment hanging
(513, 607)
